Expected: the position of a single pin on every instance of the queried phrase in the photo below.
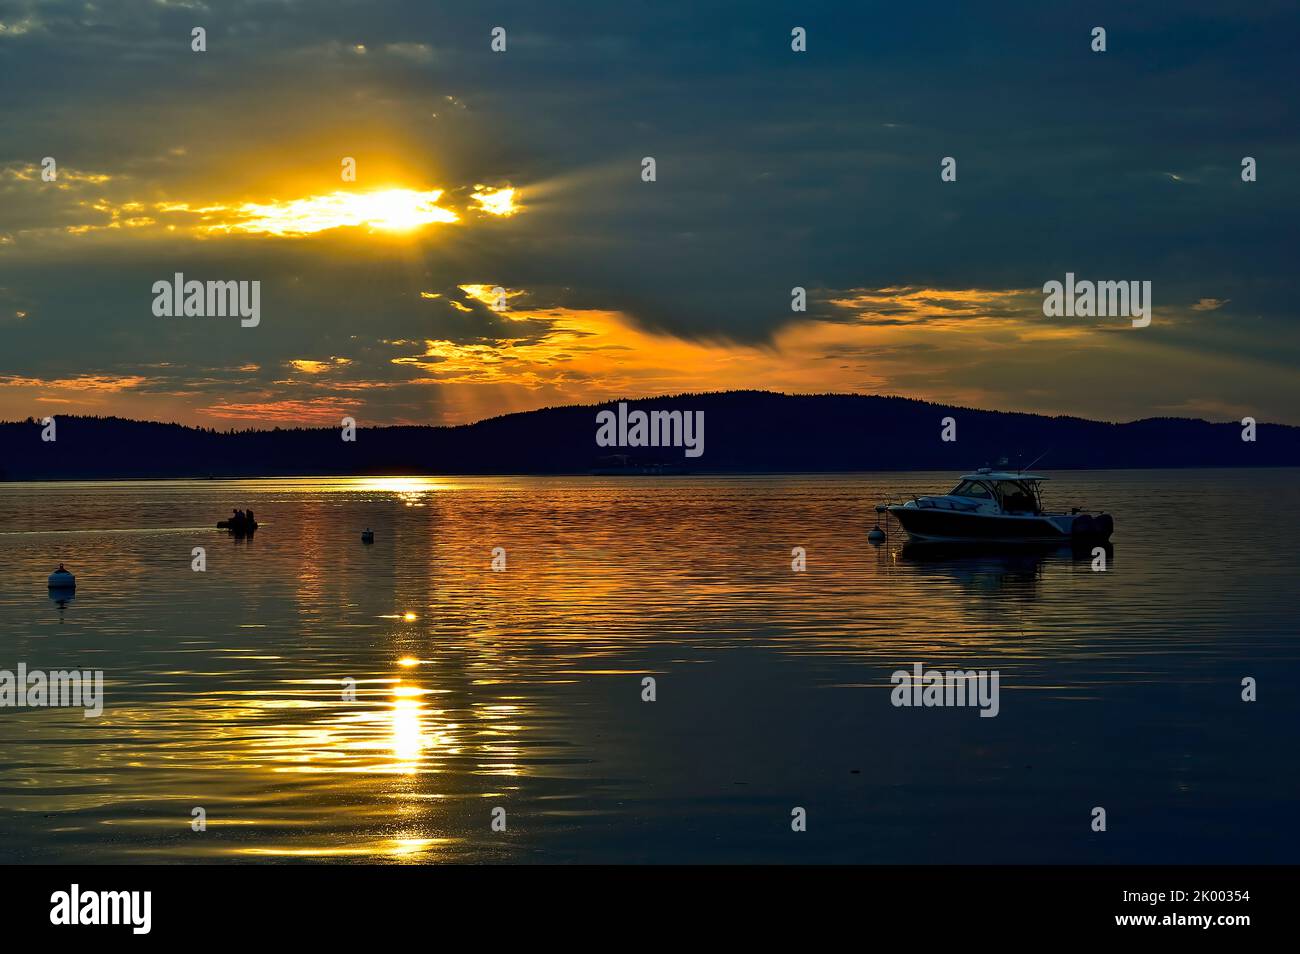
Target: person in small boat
(60, 569)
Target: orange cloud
(286, 412)
(972, 347)
(942, 308)
(86, 382)
(308, 366)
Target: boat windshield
(1018, 496)
(971, 488)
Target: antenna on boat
(1035, 460)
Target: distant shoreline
(1049, 471)
(740, 432)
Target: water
(522, 689)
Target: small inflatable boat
(62, 580)
(238, 527)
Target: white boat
(994, 506)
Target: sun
(383, 210)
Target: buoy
(367, 536)
(61, 579)
(876, 536)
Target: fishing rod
(1034, 461)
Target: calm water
(522, 689)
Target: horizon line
(630, 400)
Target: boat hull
(937, 525)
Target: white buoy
(61, 579)
(367, 536)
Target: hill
(745, 431)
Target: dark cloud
(774, 169)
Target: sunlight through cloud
(388, 210)
(498, 202)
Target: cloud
(84, 382)
(311, 366)
(775, 170)
(417, 52)
(495, 201)
(942, 307)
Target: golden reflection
(384, 847)
(408, 734)
(403, 692)
(398, 485)
(410, 490)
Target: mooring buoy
(61, 579)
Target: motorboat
(994, 506)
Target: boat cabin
(1010, 492)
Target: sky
(523, 169)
